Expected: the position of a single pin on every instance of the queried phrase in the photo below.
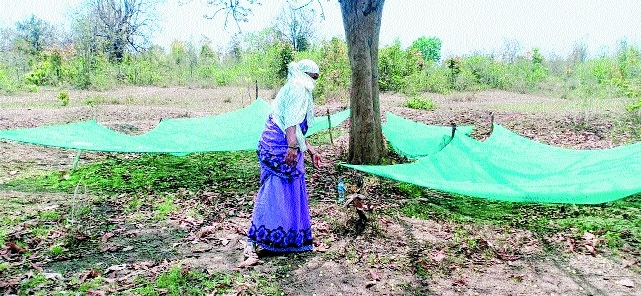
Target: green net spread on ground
(234, 131)
(414, 139)
(509, 167)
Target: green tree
(430, 48)
(537, 57)
(206, 52)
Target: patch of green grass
(165, 208)
(82, 211)
(3, 235)
(63, 97)
(323, 138)
(34, 282)
(11, 220)
(4, 266)
(49, 216)
(420, 103)
(90, 284)
(619, 222)
(178, 281)
(230, 171)
(41, 231)
(410, 190)
(133, 205)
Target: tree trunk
(362, 23)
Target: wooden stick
(329, 122)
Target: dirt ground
(382, 260)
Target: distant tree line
(108, 46)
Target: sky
(464, 27)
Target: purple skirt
(280, 220)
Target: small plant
(32, 88)
(41, 232)
(420, 103)
(63, 97)
(4, 266)
(165, 208)
(133, 205)
(35, 281)
(410, 190)
(56, 250)
(50, 215)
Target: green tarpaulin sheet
(233, 131)
(414, 139)
(509, 167)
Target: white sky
(464, 26)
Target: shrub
(395, 64)
(63, 97)
(6, 84)
(335, 76)
(420, 103)
(432, 79)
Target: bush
(6, 84)
(335, 76)
(395, 64)
(431, 79)
(63, 97)
(420, 103)
(47, 69)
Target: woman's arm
(292, 146)
(316, 158)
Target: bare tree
(239, 11)
(362, 23)
(34, 35)
(579, 53)
(297, 25)
(511, 49)
(236, 10)
(122, 25)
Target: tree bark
(362, 23)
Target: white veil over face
(294, 101)
(297, 73)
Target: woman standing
(280, 220)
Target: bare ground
(387, 258)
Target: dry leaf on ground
(106, 236)
(204, 231)
(438, 256)
(374, 275)
(14, 247)
(248, 262)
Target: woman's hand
(317, 160)
(291, 156)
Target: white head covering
(294, 101)
(308, 66)
(297, 73)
